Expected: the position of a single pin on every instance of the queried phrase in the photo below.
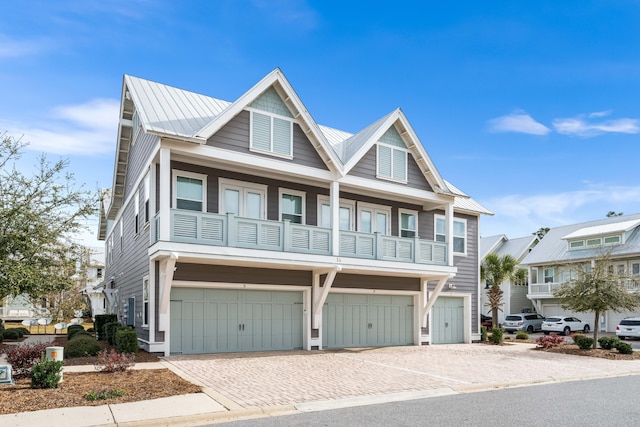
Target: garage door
(447, 321)
(615, 318)
(350, 320)
(225, 320)
(551, 310)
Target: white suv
(629, 327)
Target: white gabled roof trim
(600, 230)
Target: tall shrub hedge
(100, 321)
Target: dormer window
(392, 155)
(271, 134)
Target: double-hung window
(374, 218)
(408, 223)
(459, 233)
(345, 213)
(271, 133)
(548, 275)
(292, 206)
(189, 191)
(145, 301)
(243, 199)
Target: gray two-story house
(246, 226)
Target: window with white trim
(136, 216)
(534, 274)
(147, 191)
(271, 133)
(548, 275)
(408, 223)
(189, 191)
(459, 233)
(345, 214)
(635, 269)
(292, 206)
(121, 236)
(244, 199)
(374, 218)
(145, 301)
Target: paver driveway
(286, 378)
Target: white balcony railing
(548, 288)
(230, 230)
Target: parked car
(530, 322)
(564, 325)
(485, 321)
(629, 327)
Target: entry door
(447, 321)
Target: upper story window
(189, 191)
(548, 275)
(392, 155)
(147, 191)
(243, 199)
(271, 134)
(635, 269)
(408, 223)
(136, 216)
(145, 301)
(595, 242)
(99, 273)
(374, 218)
(292, 206)
(345, 214)
(459, 233)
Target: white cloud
(82, 129)
(518, 122)
(580, 126)
(10, 48)
(519, 215)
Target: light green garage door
(447, 321)
(367, 320)
(225, 320)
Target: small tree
(496, 269)
(542, 231)
(597, 289)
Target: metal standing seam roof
(501, 245)
(554, 246)
(172, 111)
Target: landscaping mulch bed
(134, 385)
(598, 352)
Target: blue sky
(531, 108)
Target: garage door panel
(447, 321)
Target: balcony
(230, 230)
(543, 289)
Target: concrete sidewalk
(249, 385)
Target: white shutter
(400, 165)
(281, 136)
(384, 161)
(261, 128)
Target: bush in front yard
(483, 333)
(522, 335)
(11, 334)
(623, 347)
(46, 374)
(585, 343)
(127, 341)
(22, 358)
(549, 341)
(110, 330)
(112, 361)
(608, 342)
(100, 321)
(497, 336)
(81, 346)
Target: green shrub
(608, 342)
(624, 348)
(46, 374)
(18, 330)
(522, 335)
(72, 329)
(497, 335)
(127, 341)
(585, 343)
(10, 334)
(100, 321)
(483, 333)
(91, 330)
(73, 332)
(81, 346)
(576, 337)
(103, 395)
(80, 334)
(110, 330)
(1, 325)
(24, 330)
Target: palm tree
(496, 269)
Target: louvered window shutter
(261, 129)
(281, 136)
(384, 161)
(400, 165)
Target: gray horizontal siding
(139, 155)
(362, 281)
(230, 274)
(234, 136)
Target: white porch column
(152, 203)
(449, 233)
(167, 268)
(165, 192)
(334, 201)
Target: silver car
(529, 322)
(629, 328)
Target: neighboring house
(564, 250)
(91, 276)
(246, 226)
(17, 308)
(515, 294)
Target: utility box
(55, 353)
(5, 375)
